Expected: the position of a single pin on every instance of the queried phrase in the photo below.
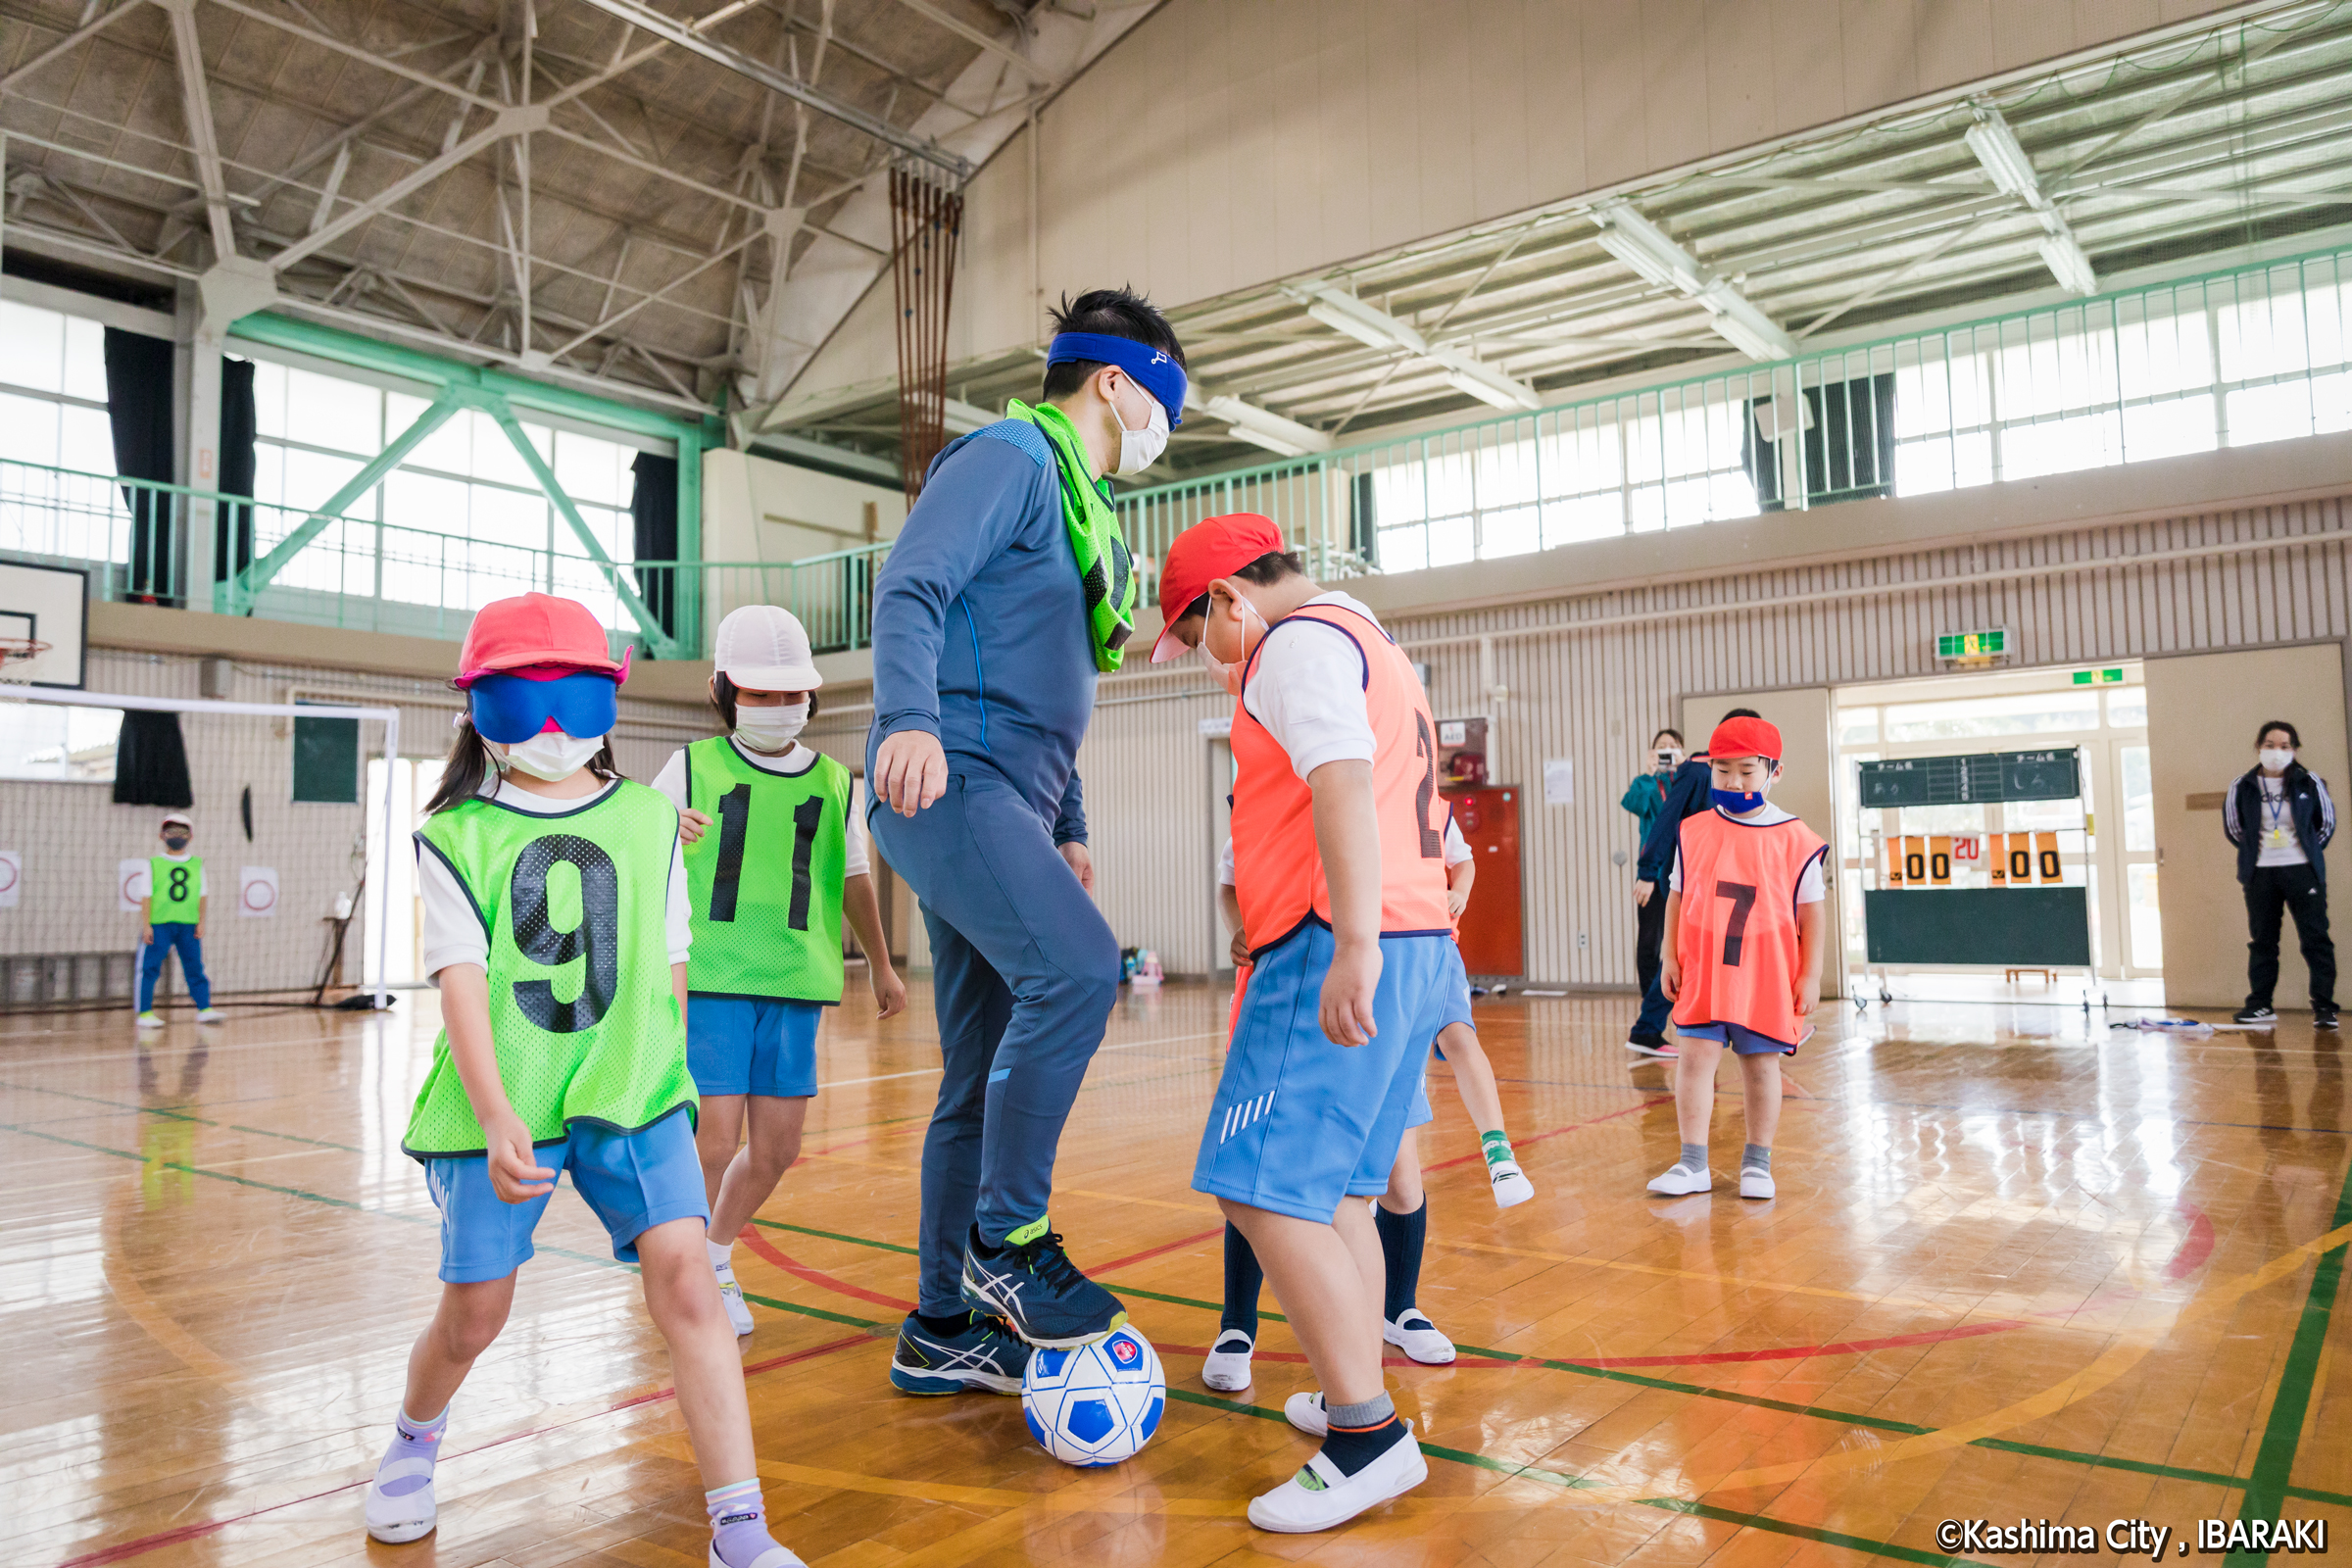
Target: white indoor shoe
(1306, 1412)
(1754, 1183)
(1318, 1496)
(1417, 1337)
(1680, 1180)
(148, 1020)
(1227, 1369)
(1511, 1185)
(409, 1516)
(211, 1015)
(730, 1296)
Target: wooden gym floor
(2020, 1268)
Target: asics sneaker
(1417, 1337)
(1035, 1288)
(1511, 1185)
(1227, 1369)
(979, 1358)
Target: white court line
(925, 1072)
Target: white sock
(723, 1258)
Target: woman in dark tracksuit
(2279, 815)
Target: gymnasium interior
(1965, 387)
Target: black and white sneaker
(2254, 1017)
(1035, 1288)
(980, 1357)
(2322, 1017)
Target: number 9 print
(597, 937)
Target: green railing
(360, 573)
(2234, 359)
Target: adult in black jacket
(1689, 792)
(2279, 815)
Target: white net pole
(383, 890)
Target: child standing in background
(1742, 958)
(768, 893)
(556, 927)
(173, 921)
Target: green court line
(1831, 1538)
(2283, 1434)
(832, 1236)
(179, 1116)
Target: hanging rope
(926, 219)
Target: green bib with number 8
(575, 906)
(766, 877)
(174, 888)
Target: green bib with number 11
(575, 906)
(765, 876)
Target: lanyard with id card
(2277, 832)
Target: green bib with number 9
(766, 877)
(575, 906)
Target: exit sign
(1991, 644)
(2099, 677)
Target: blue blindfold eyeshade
(1155, 372)
(509, 709)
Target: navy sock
(1351, 1449)
(1400, 1240)
(944, 1324)
(1243, 1281)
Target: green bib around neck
(1105, 567)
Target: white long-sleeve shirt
(791, 763)
(453, 933)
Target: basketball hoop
(16, 656)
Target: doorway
(411, 782)
(2105, 839)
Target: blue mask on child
(1738, 801)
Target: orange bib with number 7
(1737, 940)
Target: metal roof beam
(688, 39)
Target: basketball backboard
(49, 605)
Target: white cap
(763, 648)
(170, 817)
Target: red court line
(172, 1537)
(762, 1246)
(1522, 1142)
(2196, 1247)
(1172, 1246)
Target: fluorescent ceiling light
(1367, 324)
(1484, 381)
(1339, 321)
(1261, 427)
(1996, 148)
(2064, 257)
(1653, 254)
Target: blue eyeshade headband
(512, 708)
(1154, 369)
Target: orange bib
(1277, 871)
(1736, 939)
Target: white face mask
(2276, 757)
(550, 754)
(1140, 449)
(769, 729)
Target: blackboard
(2009, 926)
(326, 761)
(1976, 778)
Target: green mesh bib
(175, 888)
(766, 877)
(575, 906)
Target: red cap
(1200, 555)
(514, 634)
(1744, 737)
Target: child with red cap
(1741, 954)
(1339, 867)
(556, 927)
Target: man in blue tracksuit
(1006, 593)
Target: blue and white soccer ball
(1099, 1403)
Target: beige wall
(1225, 143)
(756, 509)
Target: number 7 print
(1743, 898)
